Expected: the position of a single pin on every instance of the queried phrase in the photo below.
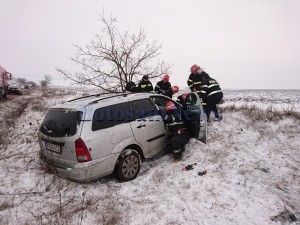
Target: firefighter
(175, 124)
(174, 89)
(164, 86)
(181, 99)
(195, 82)
(130, 86)
(211, 94)
(195, 79)
(145, 85)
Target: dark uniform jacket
(211, 91)
(145, 86)
(180, 100)
(180, 135)
(195, 81)
(175, 124)
(163, 88)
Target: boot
(182, 149)
(218, 118)
(178, 155)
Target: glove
(189, 167)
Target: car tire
(128, 165)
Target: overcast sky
(241, 43)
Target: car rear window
(61, 122)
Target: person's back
(212, 90)
(164, 86)
(211, 94)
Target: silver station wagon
(93, 136)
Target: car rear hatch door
(58, 133)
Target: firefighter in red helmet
(181, 99)
(208, 90)
(196, 78)
(175, 124)
(164, 86)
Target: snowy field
(252, 160)
(283, 100)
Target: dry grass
(6, 205)
(39, 105)
(9, 120)
(258, 114)
(51, 92)
(73, 209)
(16, 113)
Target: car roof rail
(124, 94)
(95, 95)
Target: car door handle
(140, 126)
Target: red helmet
(184, 95)
(195, 68)
(166, 78)
(170, 106)
(175, 89)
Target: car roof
(103, 100)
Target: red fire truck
(4, 77)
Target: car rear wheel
(128, 165)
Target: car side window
(110, 116)
(192, 102)
(143, 108)
(160, 102)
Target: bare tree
(21, 81)
(114, 58)
(47, 80)
(43, 83)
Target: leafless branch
(113, 58)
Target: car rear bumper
(83, 172)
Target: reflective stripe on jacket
(210, 89)
(195, 80)
(163, 88)
(145, 86)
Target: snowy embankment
(252, 160)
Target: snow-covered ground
(265, 99)
(252, 161)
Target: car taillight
(82, 152)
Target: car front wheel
(128, 165)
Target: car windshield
(61, 122)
